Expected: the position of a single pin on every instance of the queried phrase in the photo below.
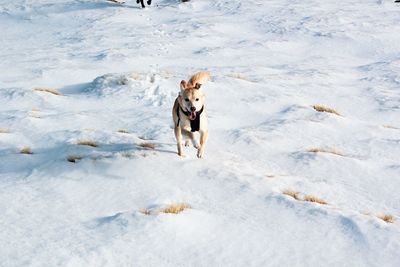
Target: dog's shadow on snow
(126, 147)
(42, 158)
(91, 5)
(82, 5)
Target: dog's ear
(183, 85)
(197, 86)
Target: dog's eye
(186, 99)
(197, 99)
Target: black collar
(194, 124)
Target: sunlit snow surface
(119, 67)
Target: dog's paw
(187, 143)
(200, 153)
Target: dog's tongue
(192, 116)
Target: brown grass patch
(315, 200)
(26, 150)
(87, 143)
(325, 150)
(276, 175)
(145, 211)
(175, 208)
(125, 131)
(321, 108)
(390, 127)
(148, 145)
(137, 76)
(292, 194)
(74, 158)
(34, 113)
(4, 130)
(166, 74)
(238, 76)
(48, 90)
(387, 218)
(127, 155)
(296, 195)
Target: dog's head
(191, 98)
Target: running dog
(189, 113)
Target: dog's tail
(199, 78)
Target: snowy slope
(119, 67)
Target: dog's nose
(193, 108)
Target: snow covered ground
(119, 67)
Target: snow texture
(118, 68)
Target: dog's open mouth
(192, 116)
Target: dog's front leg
(178, 136)
(203, 140)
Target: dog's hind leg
(178, 136)
(194, 142)
(203, 140)
(192, 139)
(187, 143)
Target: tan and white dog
(189, 113)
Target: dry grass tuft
(275, 175)
(325, 150)
(4, 130)
(292, 194)
(26, 150)
(87, 143)
(166, 74)
(125, 131)
(387, 218)
(315, 200)
(145, 211)
(321, 108)
(74, 158)
(148, 145)
(127, 155)
(137, 76)
(48, 90)
(390, 127)
(34, 113)
(296, 195)
(238, 76)
(175, 208)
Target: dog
(189, 114)
(142, 2)
(137, 2)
